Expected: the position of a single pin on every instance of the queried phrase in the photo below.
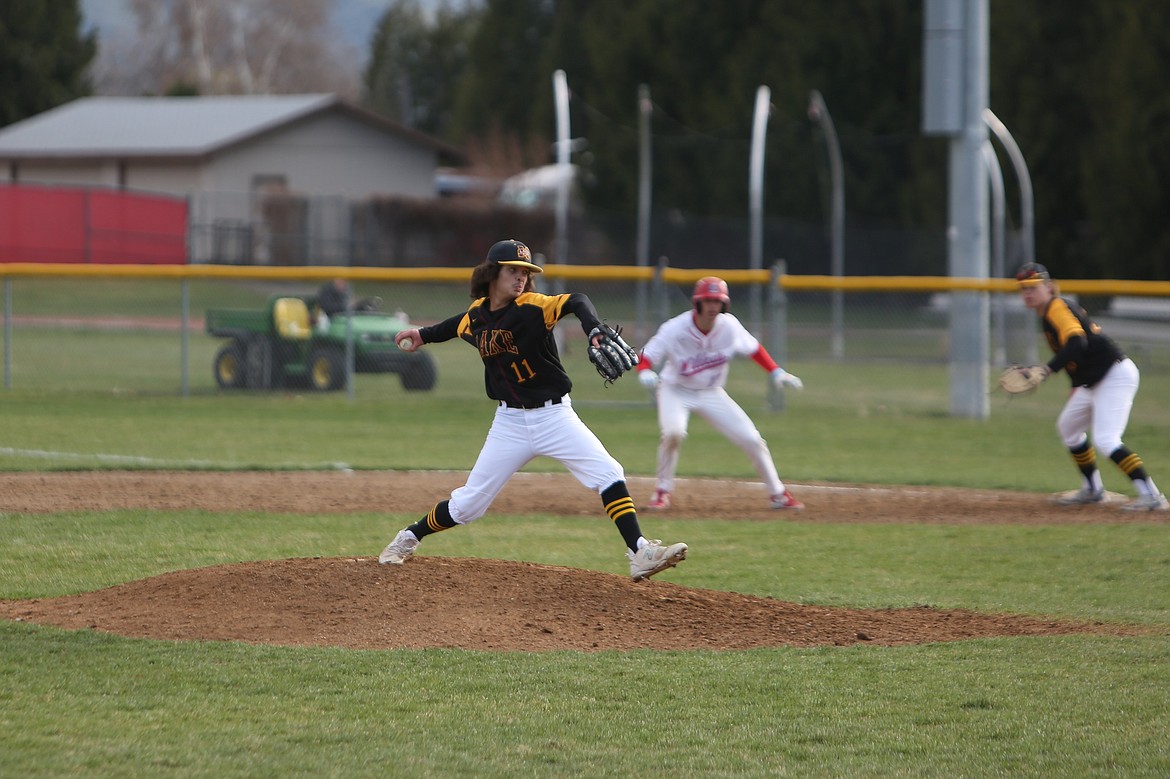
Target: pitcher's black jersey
(1078, 344)
(520, 360)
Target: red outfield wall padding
(70, 225)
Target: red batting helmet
(711, 288)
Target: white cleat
(653, 558)
(1082, 497)
(1148, 503)
(400, 549)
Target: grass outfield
(100, 705)
(97, 705)
(870, 423)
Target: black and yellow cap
(1032, 274)
(512, 252)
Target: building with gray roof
(234, 157)
(315, 144)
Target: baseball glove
(1020, 379)
(612, 356)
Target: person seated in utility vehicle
(331, 300)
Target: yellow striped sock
(620, 507)
(1130, 464)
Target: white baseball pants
(518, 436)
(1101, 411)
(675, 405)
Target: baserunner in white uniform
(512, 328)
(693, 354)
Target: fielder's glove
(1020, 379)
(782, 378)
(611, 356)
(648, 379)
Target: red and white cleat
(660, 501)
(785, 501)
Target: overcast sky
(354, 20)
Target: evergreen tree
(1127, 175)
(43, 56)
(415, 64)
(506, 78)
(1080, 85)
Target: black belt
(530, 406)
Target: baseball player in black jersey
(511, 327)
(1104, 384)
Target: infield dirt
(435, 601)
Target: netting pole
(777, 329)
(184, 318)
(7, 332)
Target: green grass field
(88, 704)
(874, 423)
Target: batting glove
(782, 378)
(648, 378)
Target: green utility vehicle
(291, 343)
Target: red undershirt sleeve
(764, 360)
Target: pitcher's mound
(488, 605)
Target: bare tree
(228, 47)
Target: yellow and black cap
(1032, 274)
(512, 252)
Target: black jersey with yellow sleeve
(1078, 344)
(521, 365)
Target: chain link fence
(144, 330)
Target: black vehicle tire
(326, 369)
(419, 374)
(229, 366)
(258, 366)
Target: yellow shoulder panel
(1064, 321)
(551, 305)
(465, 323)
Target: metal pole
(661, 301)
(819, 113)
(1027, 217)
(967, 232)
(756, 194)
(995, 177)
(184, 319)
(561, 99)
(777, 332)
(1027, 212)
(7, 332)
(87, 214)
(349, 350)
(645, 165)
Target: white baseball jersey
(684, 355)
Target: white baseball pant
(518, 436)
(1101, 411)
(675, 405)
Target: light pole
(645, 165)
(995, 179)
(819, 113)
(1027, 219)
(756, 194)
(564, 146)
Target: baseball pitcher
(511, 326)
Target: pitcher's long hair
(484, 274)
